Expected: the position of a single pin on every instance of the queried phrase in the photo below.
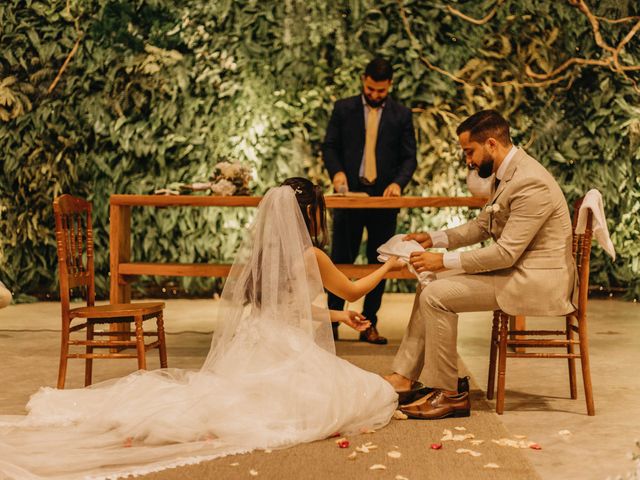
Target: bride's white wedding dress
(270, 380)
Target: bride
(271, 378)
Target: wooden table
(123, 269)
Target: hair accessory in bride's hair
(297, 190)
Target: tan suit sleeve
(530, 206)
(469, 233)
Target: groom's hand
(423, 239)
(426, 261)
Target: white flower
(492, 208)
(223, 188)
(228, 170)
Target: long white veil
(274, 279)
(271, 379)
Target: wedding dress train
(270, 380)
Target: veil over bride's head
(275, 278)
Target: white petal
(394, 454)
(470, 452)
(377, 466)
(400, 477)
(461, 429)
(398, 415)
(235, 464)
(253, 473)
(352, 455)
(447, 436)
(492, 465)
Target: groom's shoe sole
(452, 414)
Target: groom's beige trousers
(428, 351)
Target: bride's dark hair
(311, 202)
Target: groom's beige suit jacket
(530, 258)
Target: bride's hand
(395, 263)
(354, 319)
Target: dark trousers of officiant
(348, 226)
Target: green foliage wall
(159, 91)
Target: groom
(528, 269)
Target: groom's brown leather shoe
(420, 390)
(371, 335)
(439, 405)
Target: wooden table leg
(519, 322)
(119, 252)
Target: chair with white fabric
(588, 221)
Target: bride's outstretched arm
(337, 282)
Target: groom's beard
(486, 167)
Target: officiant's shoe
(334, 329)
(439, 405)
(420, 390)
(371, 335)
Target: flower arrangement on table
(226, 179)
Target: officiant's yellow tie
(370, 171)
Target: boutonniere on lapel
(495, 208)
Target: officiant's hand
(426, 261)
(355, 320)
(340, 183)
(393, 190)
(423, 239)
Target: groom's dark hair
(311, 202)
(486, 124)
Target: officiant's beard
(373, 103)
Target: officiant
(369, 147)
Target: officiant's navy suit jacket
(343, 147)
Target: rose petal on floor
(352, 455)
(491, 465)
(377, 466)
(253, 473)
(400, 477)
(234, 464)
(394, 454)
(476, 442)
(461, 429)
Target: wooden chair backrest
(74, 239)
(582, 255)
